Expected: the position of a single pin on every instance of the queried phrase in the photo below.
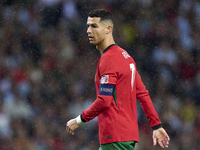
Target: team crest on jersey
(104, 79)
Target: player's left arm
(72, 125)
(102, 102)
(108, 68)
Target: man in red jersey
(118, 85)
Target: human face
(96, 30)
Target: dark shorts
(118, 146)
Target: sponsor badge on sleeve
(104, 79)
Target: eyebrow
(90, 24)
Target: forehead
(93, 20)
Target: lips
(91, 38)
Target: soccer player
(118, 85)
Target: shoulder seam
(108, 57)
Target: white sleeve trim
(78, 120)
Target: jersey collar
(108, 48)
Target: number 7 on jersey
(132, 67)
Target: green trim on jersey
(108, 47)
(115, 96)
(129, 145)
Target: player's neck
(105, 44)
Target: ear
(108, 29)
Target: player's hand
(161, 136)
(71, 126)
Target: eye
(94, 26)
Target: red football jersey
(118, 85)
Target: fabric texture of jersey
(117, 113)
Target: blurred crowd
(47, 69)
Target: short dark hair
(102, 13)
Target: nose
(89, 29)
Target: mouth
(90, 38)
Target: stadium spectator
(50, 74)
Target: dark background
(47, 69)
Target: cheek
(100, 35)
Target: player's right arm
(143, 96)
(159, 134)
